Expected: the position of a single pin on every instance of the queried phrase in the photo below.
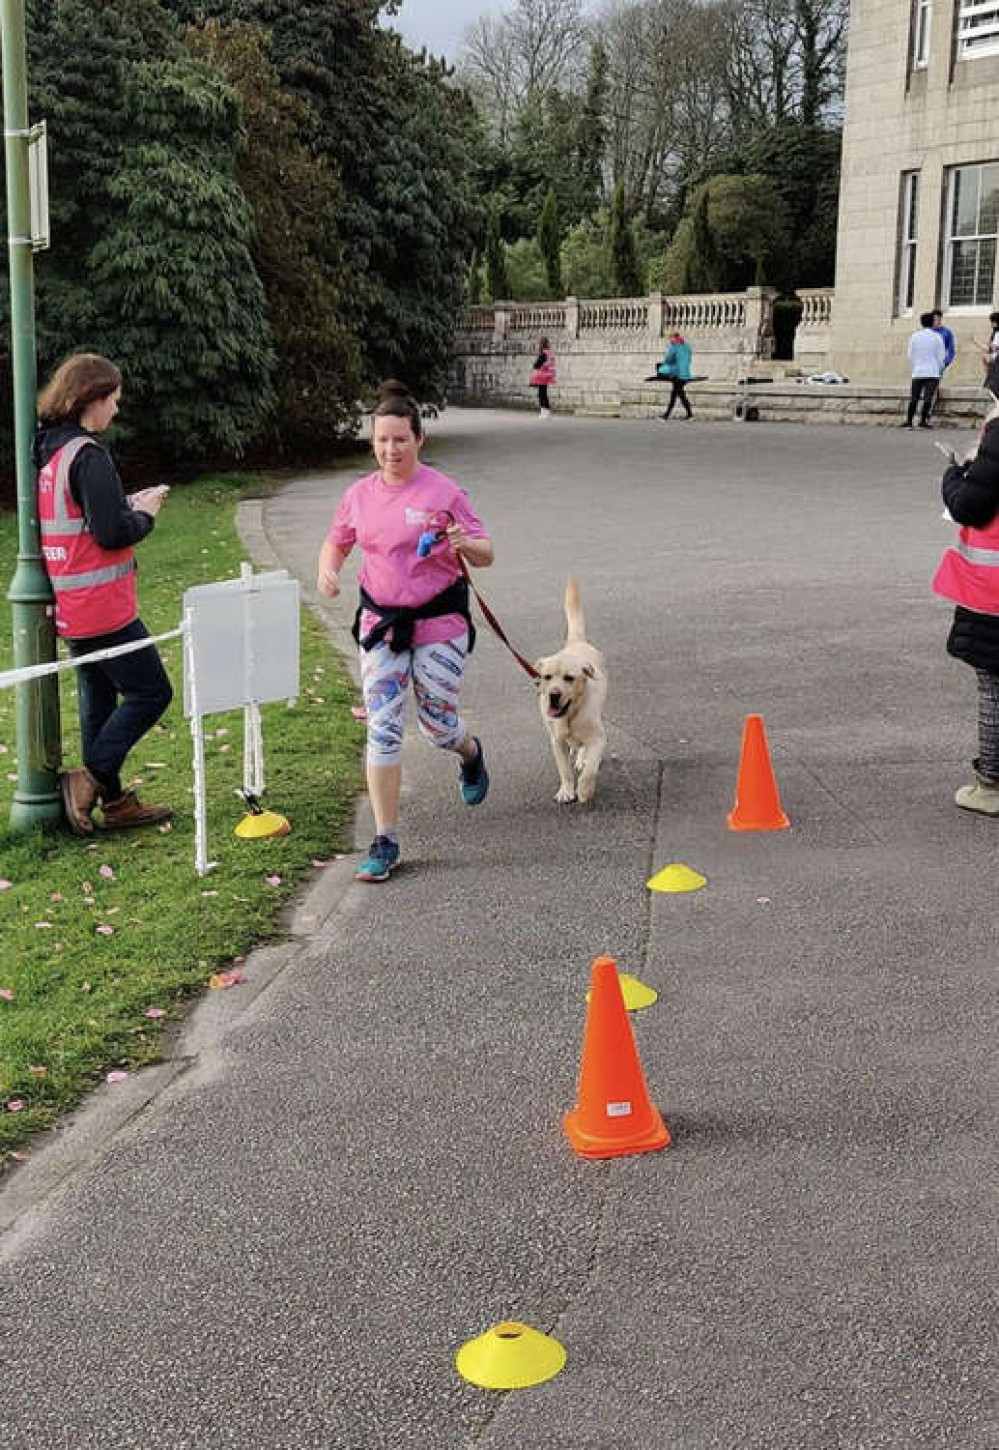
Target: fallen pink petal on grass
(6, 885)
(117, 1076)
(219, 981)
(154, 1012)
(107, 872)
(15, 1105)
(7, 994)
(273, 880)
(18, 1157)
(358, 712)
(56, 896)
(104, 930)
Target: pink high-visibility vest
(545, 374)
(94, 588)
(968, 573)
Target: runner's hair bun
(393, 388)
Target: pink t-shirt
(386, 521)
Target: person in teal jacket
(675, 366)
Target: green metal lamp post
(39, 747)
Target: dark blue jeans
(119, 700)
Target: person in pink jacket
(968, 575)
(543, 376)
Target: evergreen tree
(700, 266)
(591, 133)
(473, 290)
(314, 293)
(621, 245)
(733, 234)
(549, 242)
(174, 287)
(803, 163)
(399, 133)
(497, 285)
(149, 260)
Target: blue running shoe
(380, 862)
(475, 778)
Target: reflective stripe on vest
(62, 521)
(977, 555)
(91, 577)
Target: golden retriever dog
(572, 687)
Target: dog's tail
(574, 611)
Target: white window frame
(951, 237)
(922, 11)
(977, 28)
(908, 237)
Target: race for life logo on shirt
(418, 516)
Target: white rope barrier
(35, 672)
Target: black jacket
(971, 493)
(94, 483)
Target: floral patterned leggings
(436, 671)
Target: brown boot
(79, 791)
(128, 811)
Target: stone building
(919, 200)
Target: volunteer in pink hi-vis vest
(543, 376)
(88, 529)
(968, 574)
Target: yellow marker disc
(676, 877)
(260, 825)
(635, 993)
(510, 1356)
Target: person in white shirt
(928, 357)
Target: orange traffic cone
(613, 1115)
(757, 804)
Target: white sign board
(38, 185)
(243, 643)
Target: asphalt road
(356, 1163)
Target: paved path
(346, 1175)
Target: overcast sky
(439, 24)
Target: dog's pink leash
(495, 625)
(435, 535)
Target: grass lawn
(95, 934)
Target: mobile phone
(948, 453)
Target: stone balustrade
(813, 338)
(816, 306)
(605, 345)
